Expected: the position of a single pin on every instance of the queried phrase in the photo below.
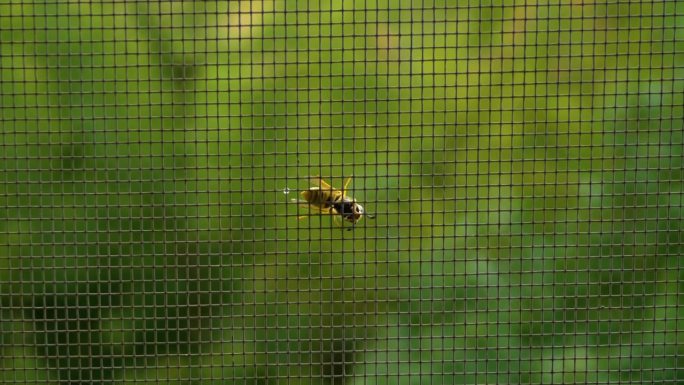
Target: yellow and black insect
(325, 199)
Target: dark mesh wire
(523, 161)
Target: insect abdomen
(319, 197)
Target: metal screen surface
(522, 161)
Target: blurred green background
(524, 162)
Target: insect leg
(346, 184)
(306, 205)
(350, 228)
(317, 209)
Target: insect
(325, 199)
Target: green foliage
(524, 164)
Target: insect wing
(323, 185)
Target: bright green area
(525, 164)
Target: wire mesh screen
(505, 200)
